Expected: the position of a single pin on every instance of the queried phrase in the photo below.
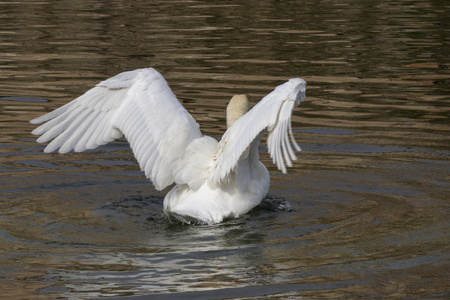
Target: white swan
(214, 180)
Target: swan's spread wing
(138, 104)
(273, 113)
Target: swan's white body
(214, 180)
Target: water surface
(363, 212)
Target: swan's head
(237, 107)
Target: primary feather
(213, 180)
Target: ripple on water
(363, 212)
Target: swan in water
(213, 180)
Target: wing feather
(97, 127)
(88, 129)
(138, 104)
(50, 115)
(273, 113)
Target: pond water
(363, 213)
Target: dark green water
(369, 194)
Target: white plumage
(214, 180)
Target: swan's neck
(237, 107)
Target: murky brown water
(368, 195)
